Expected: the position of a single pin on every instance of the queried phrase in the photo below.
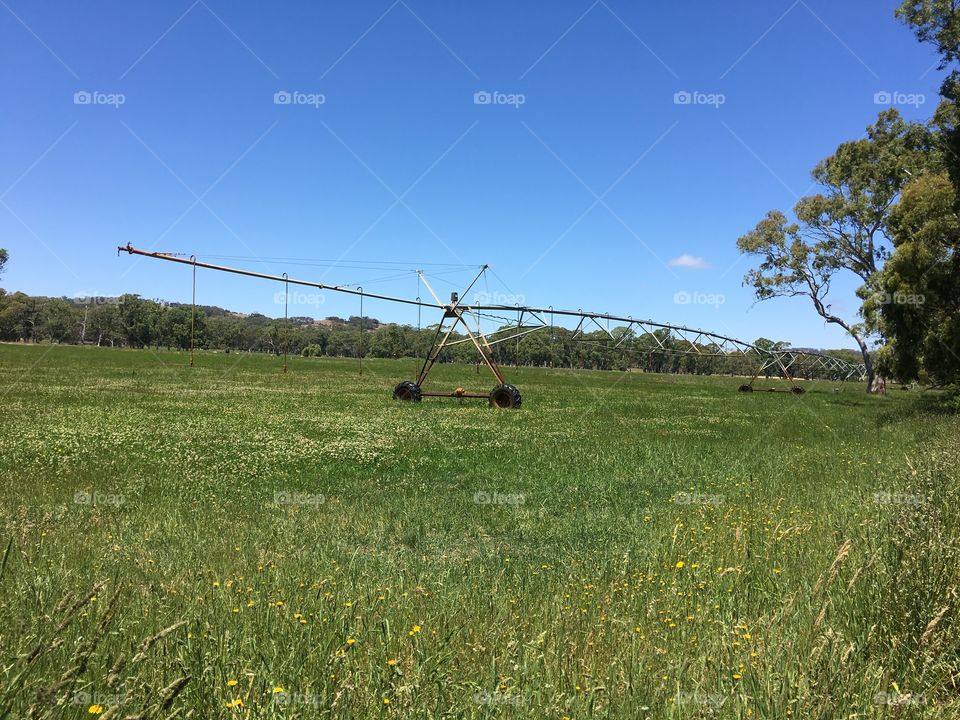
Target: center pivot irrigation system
(667, 339)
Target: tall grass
(232, 541)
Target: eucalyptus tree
(844, 228)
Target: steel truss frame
(790, 364)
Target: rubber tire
(505, 396)
(797, 390)
(745, 388)
(407, 391)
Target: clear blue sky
(400, 164)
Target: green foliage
(767, 344)
(936, 22)
(176, 325)
(917, 299)
(58, 321)
(139, 320)
(103, 324)
(19, 316)
(924, 331)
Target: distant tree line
(135, 322)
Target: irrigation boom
(669, 339)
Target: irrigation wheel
(505, 396)
(407, 391)
(797, 390)
(745, 388)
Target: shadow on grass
(929, 403)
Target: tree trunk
(872, 378)
(872, 384)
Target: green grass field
(230, 541)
